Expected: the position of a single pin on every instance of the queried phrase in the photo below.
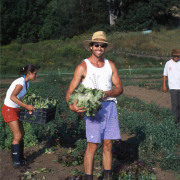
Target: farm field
(45, 165)
(45, 156)
(149, 148)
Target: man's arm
(116, 82)
(164, 84)
(78, 75)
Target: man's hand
(164, 89)
(164, 84)
(76, 109)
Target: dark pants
(175, 103)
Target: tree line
(35, 20)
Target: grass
(57, 55)
(155, 43)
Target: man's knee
(107, 146)
(91, 148)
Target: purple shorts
(105, 125)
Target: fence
(144, 54)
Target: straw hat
(99, 37)
(175, 52)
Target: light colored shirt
(99, 78)
(20, 81)
(172, 70)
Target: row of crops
(154, 140)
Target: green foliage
(137, 170)
(139, 15)
(63, 56)
(30, 138)
(5, 134)
(38, 101)
(156, 138)
(88, 98)
(156, 129)
(30, 175)
(32, 21)
(74, 157)
(36, 20)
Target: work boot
(107, 175)
(87, 178)
(15, 148)
(21, 153)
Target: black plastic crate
(39, 116)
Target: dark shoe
(87, 178)
(15, 148)
(107, 176)
(21, 153)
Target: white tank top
(21, 81)
(99, 78)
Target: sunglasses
(102, 45)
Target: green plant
(31, 175)
(137, 170)
(74, 157)
(160, 140)
(38, 101)
(88, 98)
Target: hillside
(132, 49)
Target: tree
(144, 14)
(35, 20)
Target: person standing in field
(172, 71)
(98, 73)
(10, 111)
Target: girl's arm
(14, 98)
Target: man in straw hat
(172, 70)
(98, 73)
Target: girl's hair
(27, 68)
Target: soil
(150, 96)
(38, 159)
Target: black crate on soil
(39, 116)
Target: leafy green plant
(160, 142)
(73, 157)
(137, 170)
(88, 98)
(31, 175)
(39, 102)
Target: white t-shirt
(172, 70)
(20, 81)
(99, 78)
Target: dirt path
(149, 96)
(39, 160)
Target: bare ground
(38, 160)
(150, 96)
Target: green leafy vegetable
(88, 98)
(39, 102)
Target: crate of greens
(45, 109)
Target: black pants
(175, 103)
